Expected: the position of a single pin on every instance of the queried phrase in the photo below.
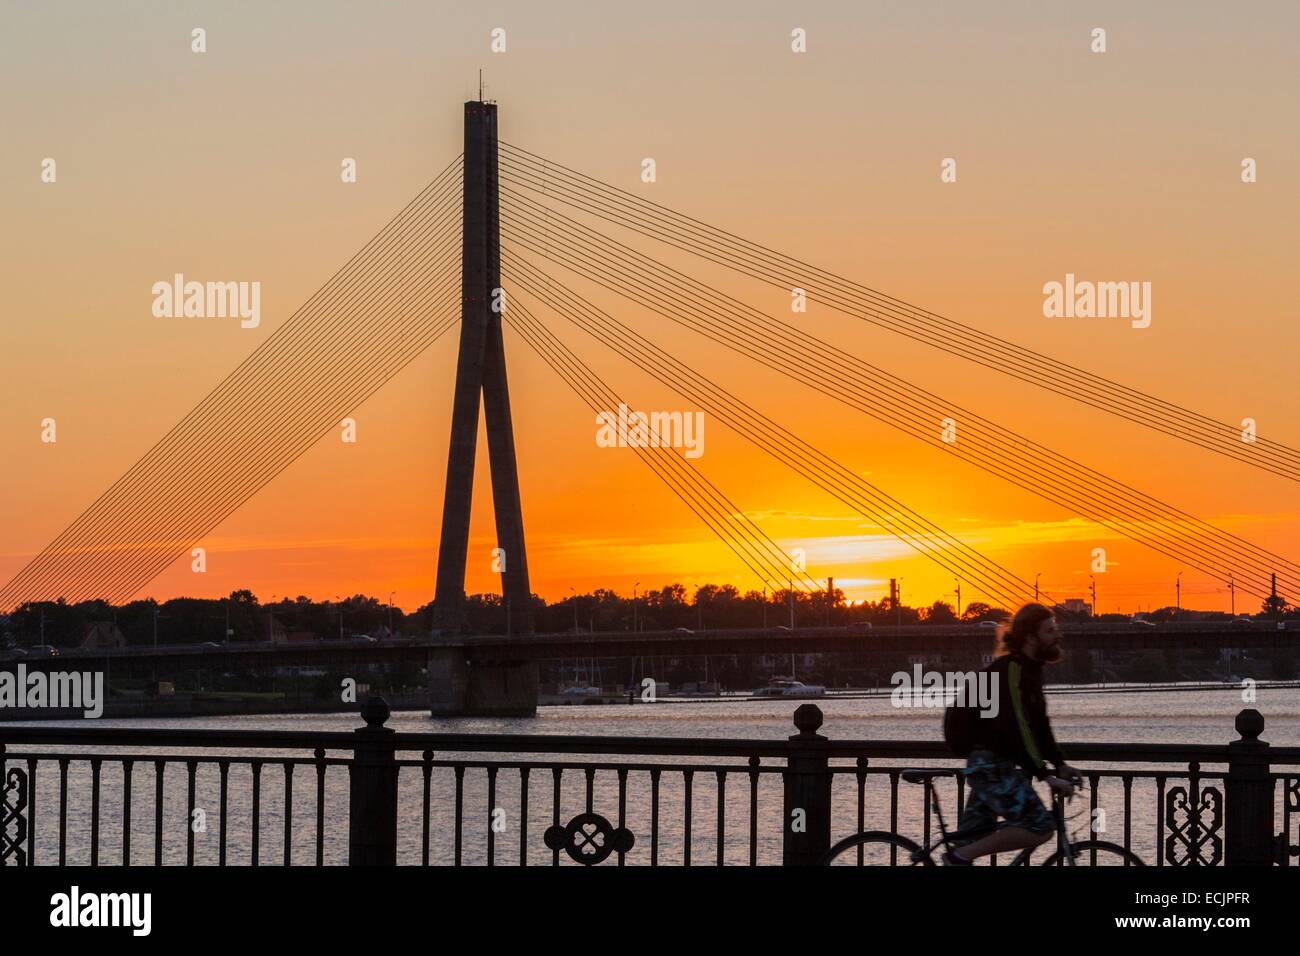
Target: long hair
(1011, 638)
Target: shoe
(951, 859)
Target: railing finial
(808, 718)
(1250, 724)
(375, 712)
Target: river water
(1140, 717)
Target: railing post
(372, 807)
(807, 823)
(1249, 838)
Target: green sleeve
(1017, 704)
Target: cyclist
(1018, 736)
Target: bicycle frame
(945, 840)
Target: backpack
(959, 729)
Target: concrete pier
(459, 687)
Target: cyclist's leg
(1004, 839)
(999, 788)
(977, 818)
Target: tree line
(241, 617)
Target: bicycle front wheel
(876, 848)
(1095, 853)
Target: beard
(1049, 655)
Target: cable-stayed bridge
(490, 240)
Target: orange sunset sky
(225, 165)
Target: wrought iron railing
(375, 796)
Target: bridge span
(498, 675)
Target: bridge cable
(205, 442)
(770, 437)
(819, 370)
(1036, 488)
(961, 572)
(135, 475)
(148, 464)
(772, 566)
(684, 232)
(324, 381)
(620, 274)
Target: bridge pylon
(481, 371)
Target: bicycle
(883, 848)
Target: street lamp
(505, 600)
(1178, 597)
(1036, 577)
(634, 606)
(958, 598)
(153, 666)
(391, 595)
(270, 618)
(575, 609)
(1093, 579)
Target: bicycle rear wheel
(1096, 853)
(876, 848)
